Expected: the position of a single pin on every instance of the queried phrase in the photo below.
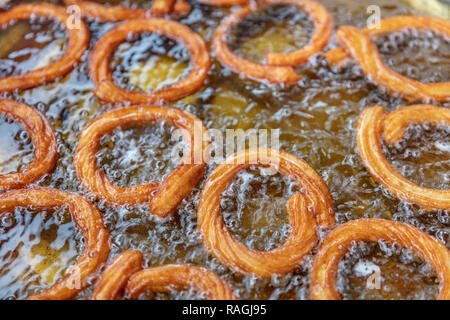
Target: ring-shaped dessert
(125, 275)
(163, 197)
(107, 13)
(375, 124)
(44, 141)
(77, 45)
(358, 44)
(308, 209)
(88, 220)
(101, 71)
(341, 239)
(178, 277)
(225, 2)
(279, 66)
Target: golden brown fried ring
(164, 197)
(88, 220)
(357, 43)
(78, 43)
(375, 123)
(313, 201)
(178, 277)
(225, 2)
(106, 13)
(278, 69)
(100, 62)
(44, 141)
(115, 277)
(339, 240)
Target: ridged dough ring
(374, 124)
(88, 220)
(100, 62)
(125, 274)
(163, 197)
(357, 43)
(314, 201)
(178, 277)
(225, 2)
(279, 66)
(44, 141)
(112, 283)
(76, 47)
(106, 13)
(339, 240)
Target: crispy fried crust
(106, 13)
(339, 240)
(357, 43)
(314, 201)
(279, 67)
(100, 62)
(178, 277)
(77, 45)
(115, 277)
(375, 123)
(88, 220)
(163, 197)
(44, 141)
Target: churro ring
(163, 197)
(279, 66)
(111, 284)
(178, 277)
(375, 123)
(100, 62)
(225, 2)
(357, 43)
(88, 220)
(44, 141)
(105, 13)
(339, 240)
(314, 202)
(77, 45)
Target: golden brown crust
(339, 240)
(314, 201)
(44, 141)
(100, 62)
(278, 69)
(163, 197)
(88, 220)
(357, 43)
(106, 13)
(77, 45)
(116, 276)
(178, 277)
(372, 125)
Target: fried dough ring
(100, 62)
(105, 13)
(375, 123)
(44, 141)
(88, 220)
(111, 284)
(177, 277)
(339, 240)
(163, 197)
(357, 43)
(77, 45)
(225, 2)
(279, 68)
(314, 202)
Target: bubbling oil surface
(316, 119)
